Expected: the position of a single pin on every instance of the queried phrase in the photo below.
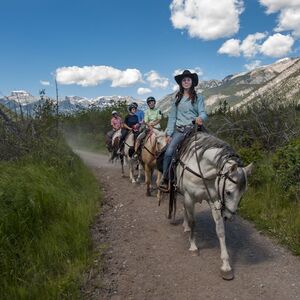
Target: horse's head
(231, 184)
(160, 140)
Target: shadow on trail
(241, 246)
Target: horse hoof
(148, 194)
(227, 275)
(194, 252)
(173, 222)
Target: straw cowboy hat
(187, 73)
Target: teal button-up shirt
(186, 113)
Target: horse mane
(205, 141)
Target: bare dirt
(142, 256)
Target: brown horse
(152, 146)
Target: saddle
(188, 131)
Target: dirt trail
(147, 258)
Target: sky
(135, 47)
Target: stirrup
(164, 187)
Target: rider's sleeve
(126, 120)
(146, 119)
(158, 115)
(201, 108)
(171, 120)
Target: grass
(271, 209)
(46, 207)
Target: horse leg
(158, 178)
(147, 180)
(122, 164)
(139, 172)
(189, 207)
(226, 270)
(131, 171)
(186, 227)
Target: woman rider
(187, 107)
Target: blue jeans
(176, 139)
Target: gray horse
(209, 169)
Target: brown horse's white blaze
(154, 142)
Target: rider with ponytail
(187, 108)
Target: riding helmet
(149, 99)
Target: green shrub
(286, 162)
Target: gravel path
(147, 258)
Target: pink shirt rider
(116, 123)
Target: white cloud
(231, 47)
(95, 75)
(249, 46)
(156, 81)
(206, 19)
(275, 5)
(289, 14)
(277, 45)
(195, 70)
(142, 91)
(289, 19)
(44, 82)
(254, 64)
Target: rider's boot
(164, 185)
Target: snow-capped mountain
(21, 97)
(280, 78)
(22, 100)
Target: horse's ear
(249, 169)
(233, 168)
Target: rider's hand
(199, 121)
(168, 139)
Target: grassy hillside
(269, 136)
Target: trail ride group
(189, 160)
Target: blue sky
(135, 47)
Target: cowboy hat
(187, 73)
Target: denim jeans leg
(176, 139)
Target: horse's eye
(228, 193)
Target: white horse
(130, 160)
(209, 169)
